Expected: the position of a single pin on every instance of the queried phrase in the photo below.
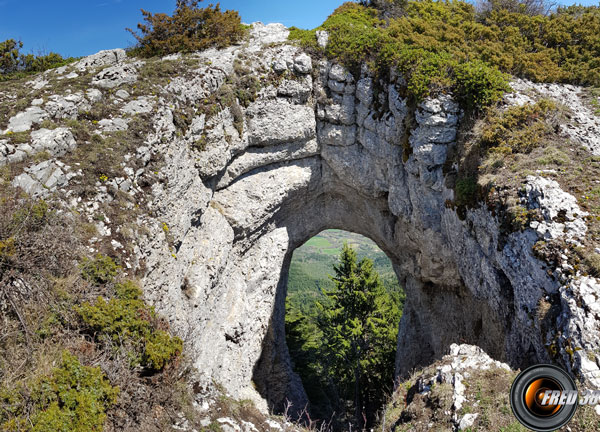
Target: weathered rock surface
(320, 148)
(57, 141)
(116, 76)
(456, 371)
(327, 157)
(584, 127)
(102, 58)
(44, 178)
(24, 120)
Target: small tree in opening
(360, 325)
(189, 29)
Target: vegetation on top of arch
(448, 45)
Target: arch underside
(439, 310)
(301, 167)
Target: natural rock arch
(325, 150)
(447, 312)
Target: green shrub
(73, 397)
(478, 84)
(306, 38)
(189, 29)
(14, 64)
(10, 56)
(425, 72)
(42, 63)
(465, 191)
(520, 218)
(439, 46)
(128, 290)
(128, 321)
(100, 270)
(519, 129)
(32, 216)
(355, 33)
(117, 319)
(160, 348)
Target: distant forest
(312, 264)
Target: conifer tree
(359, 325)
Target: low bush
(443, 46)
(479, 84)
(127, 322)
(13, 63)
(189, 29)
(519, 129)
(73, 397)
(465, 191)
(100, 270)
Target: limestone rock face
(23, 121)
(318, 151)
(102, 58)
(42, 179)
(115, 76)
(244, 183)
(57, 142)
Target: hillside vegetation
(446, 45)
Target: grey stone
(123, 94)
(336, 86)
(18, 156)
(280, 66)
(303, 64)
(61, 107)
(300, 91)
(337, 73)
(426, 118)
(139, 106)
(112, 125)
(439, 104)
(116, 76)
(268, 34)
(337, 135)
(342, 112)
(364, 90)
(94, 95)
(102, 58)
(322, 38)
(276, 122)
(546, 195)
(57, 141)
(24, 120)
(28, 184)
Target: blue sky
(83, 27)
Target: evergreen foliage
(72, 398)
(345, 352)
(189, 29)
(126, 322)
(441, 46)
(13, 63)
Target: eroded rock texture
(241, 187)
(321, 148)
